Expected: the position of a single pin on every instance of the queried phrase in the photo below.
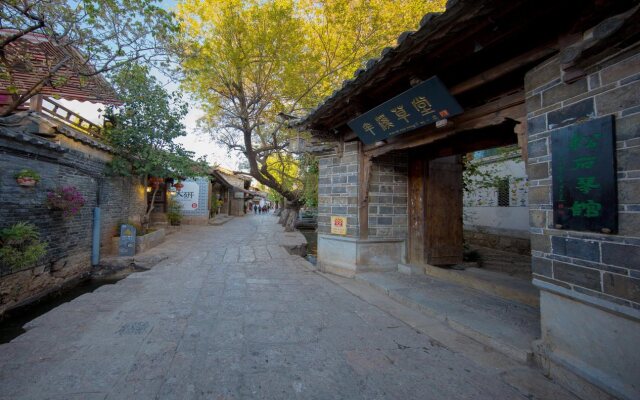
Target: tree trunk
(292, 217)
(283, 216)
(147, 216)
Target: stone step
(506, 326)
(491, 282)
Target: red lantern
(155, 182)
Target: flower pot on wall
(27, 177)
(26, 182)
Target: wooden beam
(498, 71)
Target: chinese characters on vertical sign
(584, 177)
(421, 105)
(188, 196)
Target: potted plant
(67, 199)
(27, 178)
(20, 246)
(174, 213)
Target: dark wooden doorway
(435, 210)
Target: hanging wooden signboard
(421, 105)
(584, 177)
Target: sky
(200, 144)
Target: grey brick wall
(388, 215)
(69, 239)
(338, 189)
(603, 266)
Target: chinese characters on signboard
(584, 177)
(188, 196)
(421, 105)
(339, 225)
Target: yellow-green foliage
(247, 62)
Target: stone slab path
(231, 315)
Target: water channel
(12, 322)
(312, 244)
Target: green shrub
(20, 246)
(174, 212)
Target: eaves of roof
(430, 23)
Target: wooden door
(443, 245)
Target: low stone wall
(503, 240)
(149, 241)
(143, 243)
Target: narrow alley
(231, 315)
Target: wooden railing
(60, 112)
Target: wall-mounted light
(148, 189)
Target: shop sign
(238, 195)
(584, 177)
(421, 105)
(189, 195)
(339, 225)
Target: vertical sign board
(127, 244)
(584, 177)
(189, 195)
(421, 105)
(338, 225)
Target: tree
(144, 129)
(256, 64)
(57, 43)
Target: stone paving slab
(214, 322)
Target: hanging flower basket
(179, 185)
(27, 178)
(67, 199)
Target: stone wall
(338, 189)
(388, 197)
(603, 266)
(590, 282)
(69, 239)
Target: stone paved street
(231, 315)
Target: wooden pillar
(35, 103)
(364, 178)
(443, 233)
(417, 215)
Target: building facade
(391, 200)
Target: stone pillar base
(346, 256)
(592, 339)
